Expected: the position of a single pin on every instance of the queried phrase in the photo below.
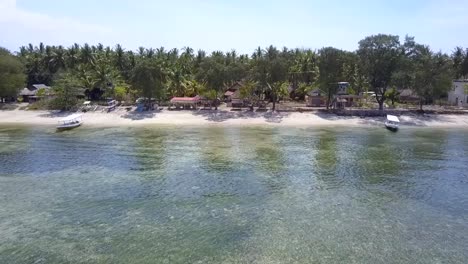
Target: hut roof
(406, 92)
(28, 92)
(39, 86)
(185, 100)
(235, 86)
(315, 92)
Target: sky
(242, 25)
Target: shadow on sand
(134, 115)
(221, 116)
(57, 113)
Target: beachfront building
(33, 94)
(233, 92)
(315, 98)
(186, 102)
(342, 98)
(407, 96)
(232, 95)
(458, 96)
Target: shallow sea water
(233, 195)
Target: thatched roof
(27, 92)
(33, 90)
(406, 92)
(185, 100)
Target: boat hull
(68, 127)
(392, 128)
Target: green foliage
(149, 77)
(276, 91)
(393, 95)
(210, 94)
(120, 93)
(193, 88)
(41, 105)
(41, 92)
(460, 63)
(12, 78)
(379, 56)
(249, 91)
(428, 74)
(379, 63)
(335, 66)
(66, 90)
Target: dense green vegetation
(381, 63)
(12, 75)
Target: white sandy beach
(123, 118)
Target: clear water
(233, 195)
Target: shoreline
(121, 118)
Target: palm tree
(57, 59)
(72, 56)
(106, 76)
(258, 54)
(87, 56)
(187, 52)
(149, 52)
(141, 51)
(149, 77)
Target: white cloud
(19, 27)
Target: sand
(202, 117)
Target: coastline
(121, 118)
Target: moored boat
(70, 122)
(392, 123)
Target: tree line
(380, 64)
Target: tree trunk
(274, 105)
(421, 104)
(381, 102)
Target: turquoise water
(233, 195)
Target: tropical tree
(381, 62)
(460, 62)
(432, 75)
(65, 87)
(331, 71)
(304, 72)
(149, 77)
(12, 77)
(393, 95)
(249, 91)
(87, 54)
(106, 76)
(276, 91)
(379, 57)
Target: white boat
(70, 122)
(392, 123)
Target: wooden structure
(346, 100)
(186, 102)
(315, 98)
(407, 96)
(30, 94)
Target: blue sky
(224, 25)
